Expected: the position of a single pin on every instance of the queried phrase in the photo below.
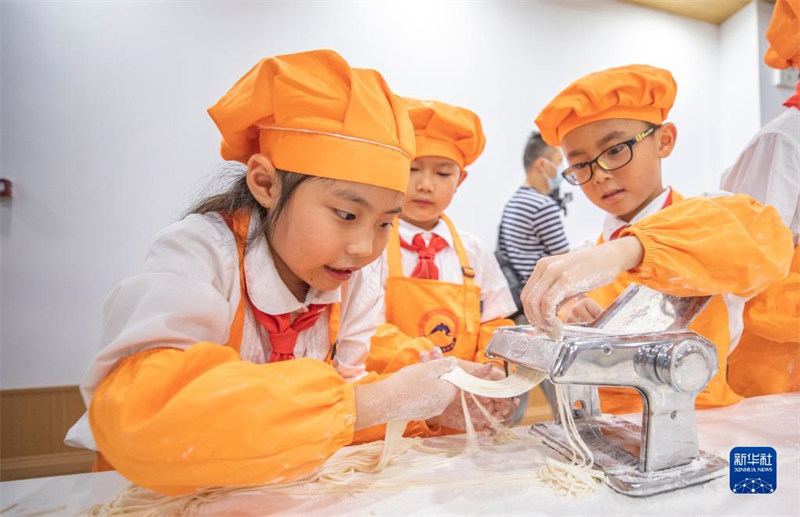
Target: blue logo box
(753, 470)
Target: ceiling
(714, 11)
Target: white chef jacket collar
(407, 232)
(612, 223)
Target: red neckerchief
(426, 267)
(794, 100)
(282, 330)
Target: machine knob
(687, 365)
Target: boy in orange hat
(612, 127)
(767, 358)
(223, 363)
(444, 291)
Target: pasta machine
(639, 342)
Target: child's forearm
(413, 393)
(558, 277)
(371, 406)
(631, 252)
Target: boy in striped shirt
(531, 226)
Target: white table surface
(772, 421)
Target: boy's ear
(263, 180)
(540, 164)
(464, 175)
(666, 136)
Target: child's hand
(561, 276)
(453, 415)
(502, 410)
(581, 309)
(412, 393)
(431, 355)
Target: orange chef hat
(637, 92)
(311, 113)
(783, 35)
(445, 130)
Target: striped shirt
(531, 228)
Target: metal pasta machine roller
(639, 342)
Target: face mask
(553, 183)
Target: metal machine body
(639, 342)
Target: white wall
(740, 111)
(105, 134)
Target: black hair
(534, 148)
(238, 196)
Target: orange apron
(767, 359)
(239, 224)
(447, 314)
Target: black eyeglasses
(613, 158)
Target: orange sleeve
(485, 334)
(390, 349)
(775, 313)
(707, 246)
(175, 420)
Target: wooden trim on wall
(713, 11)
(57, 464)
(33, 422)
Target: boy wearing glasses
(611, 127)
